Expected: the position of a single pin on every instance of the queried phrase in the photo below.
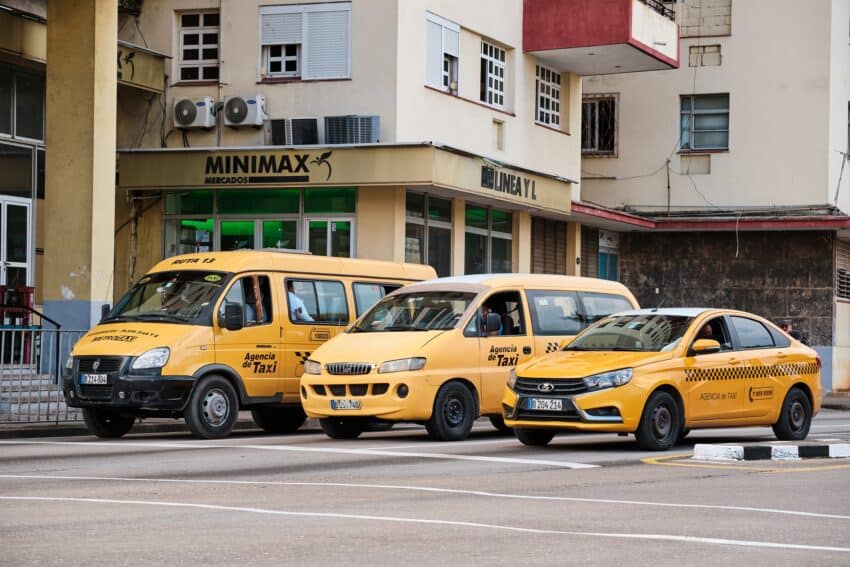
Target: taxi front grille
(560, 387)
(96, 393)
(351, 390)
(349, 368)
(103, 364)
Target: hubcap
(453, 411)
(797, 416)
(662, 422)
(216, 407)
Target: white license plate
(545, 404)
(345, 404)
(94, 379)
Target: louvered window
(842, 269)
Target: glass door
(14, 242)
(330, 236)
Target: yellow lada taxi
(659, 373)
(438, 352)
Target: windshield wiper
(162, 317)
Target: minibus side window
(253, 293)
(555, 312)
(368, 294)
(323, 301)
(599, 305)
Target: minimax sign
(510, 183)
(253, 169)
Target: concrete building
(732, 171)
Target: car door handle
(734, 361)
(526, 350)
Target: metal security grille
(549, 246)
(842, 269)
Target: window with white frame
(548, 102)
(442, 53)
(599, 125)
(310, 41)
(492, 75)
(199, 34)
(704, 121)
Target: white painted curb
(841, 450)
(718, 452)
(705, 452)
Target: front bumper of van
(130, 391)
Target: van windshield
(424, 311)
(178, 297)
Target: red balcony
(601, 37)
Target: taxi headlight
(402, 365)
(512, 378)
(312, 367)
(154, 358)
(608, 379)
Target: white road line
(437, 490)
(454, 523)
(326, 450)
(468, 442)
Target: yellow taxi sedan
(658, 373)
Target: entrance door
(14, 242)
(330, 236)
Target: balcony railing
(663, 8)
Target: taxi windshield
(646, 332)
(424, 311)
(177, 297)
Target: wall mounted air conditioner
(245, 111)
(295, 132)
(194, 112)
(352, 129)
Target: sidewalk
(837, 400)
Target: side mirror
(493, 323)
(232, 317)
(104, 311)
(705, 346)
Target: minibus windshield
(424, 311)
(648, 332)
(178, 297)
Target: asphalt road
(394, 497)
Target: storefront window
(329, 200)
(237, 235)
(185, 236)
(16, 168)
(260, 201)
(280, 234)
(5, 100)
(29, 106)
(489, 240)
(428, 232)
(189, 203)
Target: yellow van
(204, 335)
(439, 352)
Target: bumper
(156, 393)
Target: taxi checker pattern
(750, 372)
(552, 347)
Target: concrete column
(522, 242)
(81, 93)
(458, 236)
(573, 249)
(380, 223)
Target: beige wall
(839, 100)
(776, 69)
(380, 223)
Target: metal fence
(31, 363)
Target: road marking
(435, 490)
(453, 523)
(327, 450)
(773, 470)
(465, 443)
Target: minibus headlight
(154, 358)
(69, 363)
(512, 378)
(402, 365)
(312, 367)
(608, 379)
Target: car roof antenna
(657, 307)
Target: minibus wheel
(107, 424)
(660, 424)
(795, 418)
(453, 415)
(341, 428)
(499, 423)
(212, 409)
(279, 419)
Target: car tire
(660, 423)
(107, 424)
(279, 419)
(795, 417)
(499, 423)
(341, 428)
(453, 414)
(682, 434)
(534, 437)
(213, 408)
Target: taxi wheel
(212, 409)
(682, 434)
(341, 428)
(279, 420)
(499, 423)
(795, 418)
(534, 437)
(107, 424)
(453, 415)
(660, 424)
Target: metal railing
(663, 8)
(31, 363)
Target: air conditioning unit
(295, 132)
(245, 111)
(352, 129)
(194, 112)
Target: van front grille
(104, 363)
(349, 368)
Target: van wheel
(682, 434)
(499, 423)
(660, 424)
(534, 437)
(453, 415)
(341, 428)
(795, 418)
(212, 409)
(107, 424)
(279, 419)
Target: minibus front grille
(358, 389)
(542, 386)
(380, 389)
(104, 363)
(349, 368)
(337, 389)
(320, 390)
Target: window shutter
(327, 45)
(280, 29)
(434, 55)
(451, 42)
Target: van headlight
(512, 378)
(402, 365)
(312, 367)
(154, 358)
(608, 379)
